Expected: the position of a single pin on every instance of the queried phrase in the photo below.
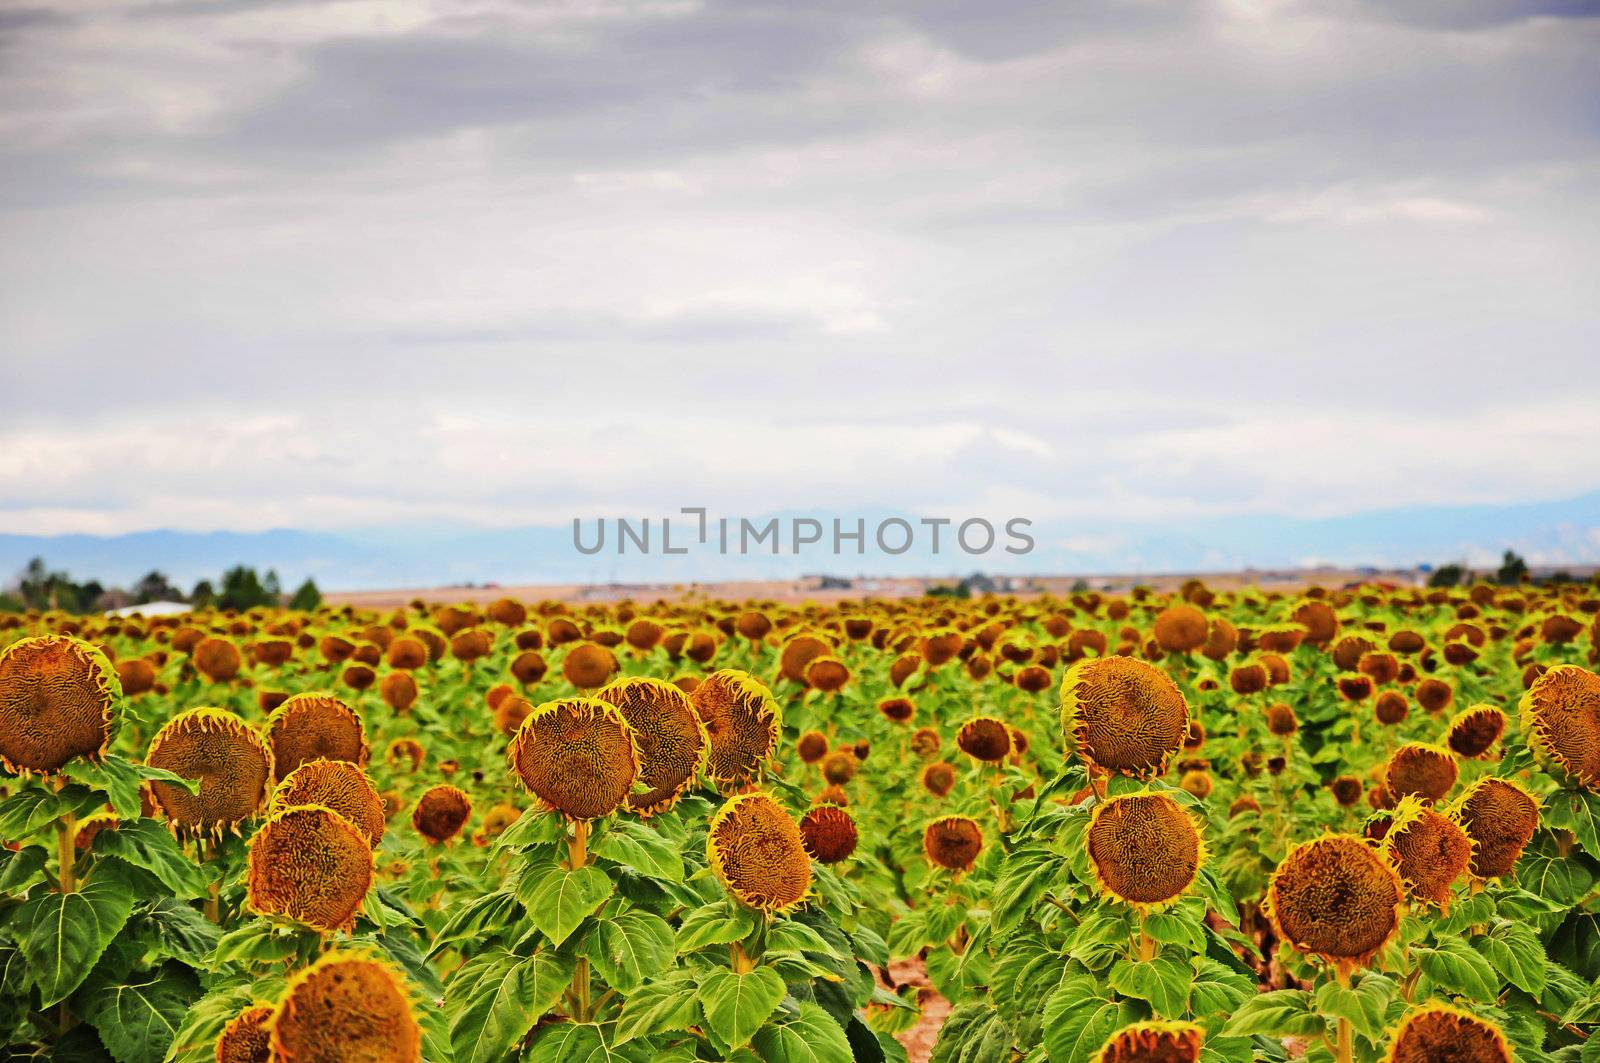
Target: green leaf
(714, 924)
(1514, 950)
(1219, 989)
(196, 1039)
(630, 948)
(1579, 812)
(62, 935)
(120, 779)
(29, 810)
(737, 1004)
(1026, 875)
(138, 1019)
(793, 934)
(1458, 968)
(560, 899)
(258, 941)
(574, 1042)
(184, 934)
(1163, 981)
(636, 846)
(148, 844)
(536, 826)
(1364, 1005)
(18, 867)
(811, 1036)
(482, 917)
(659, 1006)
(496, 998)
(1276, 1014)
(1078, 1017)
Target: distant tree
(242, 589)
(203, 595)
(1513, 569)
(306, 596)
(1447, 576)
(10, 603)
(155, 587)
(273, 588)
(1563, 576)
(1079, 586)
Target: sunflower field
(1342, 825)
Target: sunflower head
(925, 742)
(310, 864)
(1391, 708)
(309, 726)
(1123, 715)
(827, 674)
(1281, 720)
(588, 665)
(742, 725)
(246, 1038)
(1428, 849)
(953, 842)
(58, 700)
(897, 709)
(758, 854)
(578, 755)
(671, 739)
(440, 814)
(984, 738)
(938, 778)
(1474, 731)
(1181, 629)
(1500, 818)
(1153, 1042)
(797, 655)
(1561, 717)
(1335, 897)
(1418, 768)
(229, 758)
(840, 766)
(339, 785)
(346, 1006)
(829, 833)
(217, 659)
(1436, 1032)
(1144, 848)
(812, 746)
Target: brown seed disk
(1335, 897)
(229, 758)
(339, 785)
(953, 842)
(310, 864)
(670, 737)
(741, 722)
(56, 699)
(314, 726)
(346, 1008)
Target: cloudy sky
(400, 262)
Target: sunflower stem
(578, 856)
(66, 850)
(1344, 1043)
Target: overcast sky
(272, 264)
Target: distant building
(151, 609)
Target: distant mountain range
(1548, 533)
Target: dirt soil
(918, 1040)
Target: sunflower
(938, 778)
(1391, 708)
(1561, 717)
(578, 755)
(1144, 848)
(953, 842)
(346, 1007)
(1429, 850)
(670, 737)
(1153, 1042)
(1500, 818)
(57, 701)
(1281, 720)
(840, 766)
(309, 726)
(897, 709)
(742, 725)
(1123, 715)
(984, 738)
(758, 853)
(398, 690)
(229, 758)
(1439, 1033)
(588, 665)
(827, 674)
(217, 659)
(247, 1038)
(1421, 769)
(440, 814)
(812, 746)
(310, 864)
(797, 655)
(1474, 731)
(339, 785)
(1335, 897)
(829, 833)
(1181, 629)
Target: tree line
(38, 586)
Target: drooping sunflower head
(1281, 720)
(1391, 708)
(311, 726)
(1561, 717)
(1335, 897)
(953, 842)
(1144, 848)
(812, 746)
(58, 701)
(984, 738)
(938, 778)
(1474, 731)
(1123, 715)
(1424, 770)
(246, 1038)
(840, 766)
(797, 655)
(588, 665)
(577, 755)
(758, 854)
(229, 758)
(217, 659)
(440, 814)
(1181, 629)
(827, 674)
(829, 833)
(1153, 1042)
(346, 1006)
(309, 864)
(897, 709)
(1436, 1032)
(1430, 851)
(339, 785)
(925, 742)
(1346, 789)
(671, 739)
(1500, 818)
(742, 725)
